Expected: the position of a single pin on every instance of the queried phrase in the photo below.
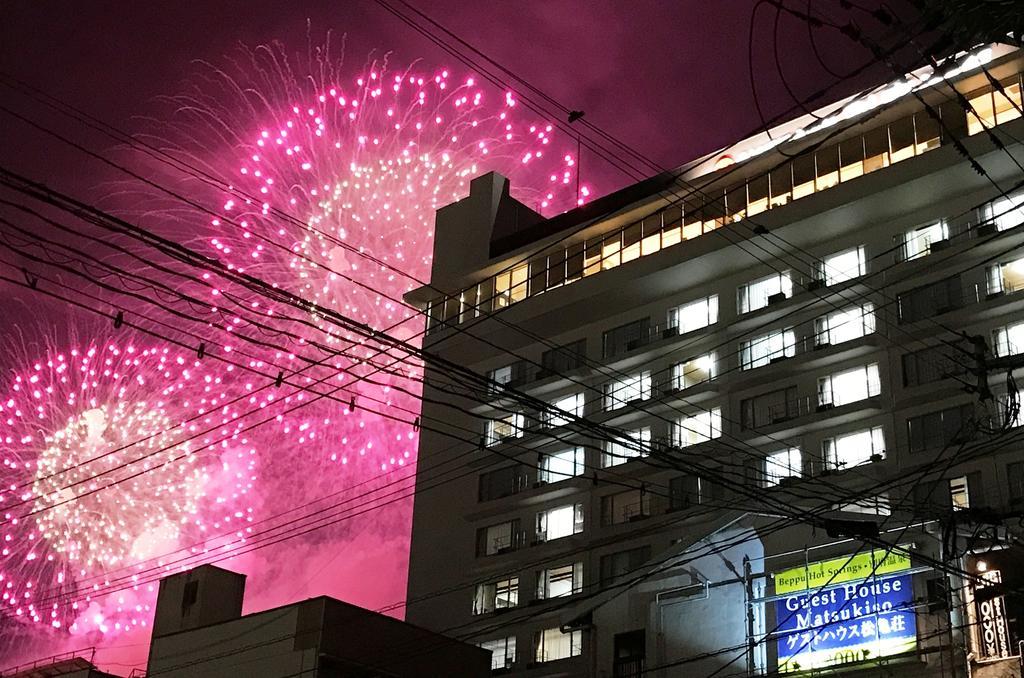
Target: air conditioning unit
(939, 245)
(776, 298)
(877, 457)
(815, 285)
(818, 345)
(669, 332)
(824, 406)
(986, 229)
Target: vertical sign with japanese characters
(844, 610)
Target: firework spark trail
(357, 160)
(359, 156)
(68, 422)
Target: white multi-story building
(715, 396)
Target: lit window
(762, 350)
(572, 405)
(619, 453)
(552, 644)
(845, 325)
(1007, 213)
(959, 493)
(695, 315)
(562, 521)
(849, 386)
(556, 582)
(561, 466)
(694, 371)
(842, 266)
(782, 464)
(982, 113)
(853, 449)
(634, 387)
(759, 293)
(510, 286)
(1006, 278)
(503, 652)
(497, 595)
(1008, 340)
(698, 428)
(504, 428)
(918, 242)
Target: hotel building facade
(752, 416)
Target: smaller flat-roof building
(199, 632)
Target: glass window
(853, 449)
(929, 365)
(558, 522)
(561, 466)
(931, 300)
(623, 507)
(624, 338)
(901, 140)
(1007, 213)
(773, 407)
(565, 358)
(982, 114)
(756, 294)
(688, 490)
(503, 652)
(845, 325)
(841, 266)
(851, 158)
(624, 563)
(672, 219)
(552, 644)
(803, 176)
(695, 315)
(936, 430)
(762, 350)
(876, 149)
(757, 194)
(927, 132)
(781, 185)
(629, 389)
(510, 286)
(611, 251)
(918, 242)
(694, 371)
(1007, 103)
(505, 427)
(1006, 278)
(826, 168)
(849, 386)
(1008, 340)
(619, 453)
(698, 428)
(498, 538)
(498, 595)
(782, 464)
(502, 482)
(570, 404)
(556, 582)
(965, 491)
(652, 228)
(1015, 481)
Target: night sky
(670, 79)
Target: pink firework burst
(117, 460)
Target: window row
(548, 645)
(808, 173)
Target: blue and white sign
(848, 622)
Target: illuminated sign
(994, 635)
(844, 610)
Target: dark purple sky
(669, 78)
